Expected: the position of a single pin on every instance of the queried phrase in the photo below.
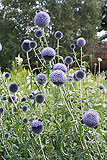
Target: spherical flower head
(33, 44)
(91, 118)
(24, 108)
(30, 95)
(48, 53)
(39, 98)
(25, 120)
(68, 60)
(7, 75)
(0, 47)
(42, 19)
(6, 135)
(41, 78)
(72, 46)
(9, 98)
(58, 35)
(4, 98)
(81, 42)
(23, 99)
(75, 77)
(26, 46)
(101, 86)
(13, 87)
(37, 127)
(1, 111)
(39, 33)
(60, 66)
(80, 75)
(58, 77)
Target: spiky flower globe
(58, 77)
(81, 42)
(33, 44)
(72, 46)
(58, 35)
(4, 98)
(37, 127)
(30, 95)
(23, 99)
(41, 78)
(25, 120)
(39, 33)
(42, 19)
(0, 47)
(7, 75)
(1, 111)
(80, 75)
(68, 60)
(13, 87)
(24, 108)
(6, 135)
(10, 98)
(48, 53)
(101, 86)
(39, 98)
(26, 46)
(91, 118)
(75, 77)
(60, 66)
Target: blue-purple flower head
(30, 96)
(101, 86)
(42, 19)
(41, 78)
(79, 75)
(60, 66)
(33, 44)
(1, 111)
(58, 77)
(58, 35)
(13, 87)
(71, 77)
(39, 33)
(0, 47)
(68, 60)
(48, 53)
(7, 75)
(81, 42)
(6, 135)
(24, 108)
(10, 98)
(25, 120)
(91, 118)
(26, 46)
(39, 98)
(37, 127)
(75, 77)
(72, 46)
(23, 99)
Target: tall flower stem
(76, 58)
(41, 147)
(58, 49)
(44, 36)
(81, 57)
(28, 61)
(36, 55)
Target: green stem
(76, 58)
(36, 55)
(58, 49)
(81, 57)
(28, 61)
(45, 37)
(42, 147)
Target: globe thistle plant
(41, 78)
(37, 127)
(39, 98)
(26, 46)
(25, 120)
(58, 35)
(60, 66)
(24, 108)
(48, 53)
(23, 99)
(58, 77)
(80, 75)
(7, 75)
(101, 86)
(4, 98)
(75, 77)
(33, 92)
(30, 95)
(0, 47)
(42, 19)
(91, 118)
(13, 87)
(68, 60)
(10, 98)
(81, 42)
(6, 135)
(33, 44)
(72, 46)
(39, 33)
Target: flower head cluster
(7, 75)
(37, 127)
(26, 46)
(91, 118)
(33, 44)
(23, 99)
(42, 19)
(58, 35)
(60, 66)
(81, 42)
(39, 33)
(68, 60)
(39, 98)
(48, 53)
(79, 75)
(13, 87)
(101, 86)
(0, 47)
(58, 77)
(72, 46)
(41, 78)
